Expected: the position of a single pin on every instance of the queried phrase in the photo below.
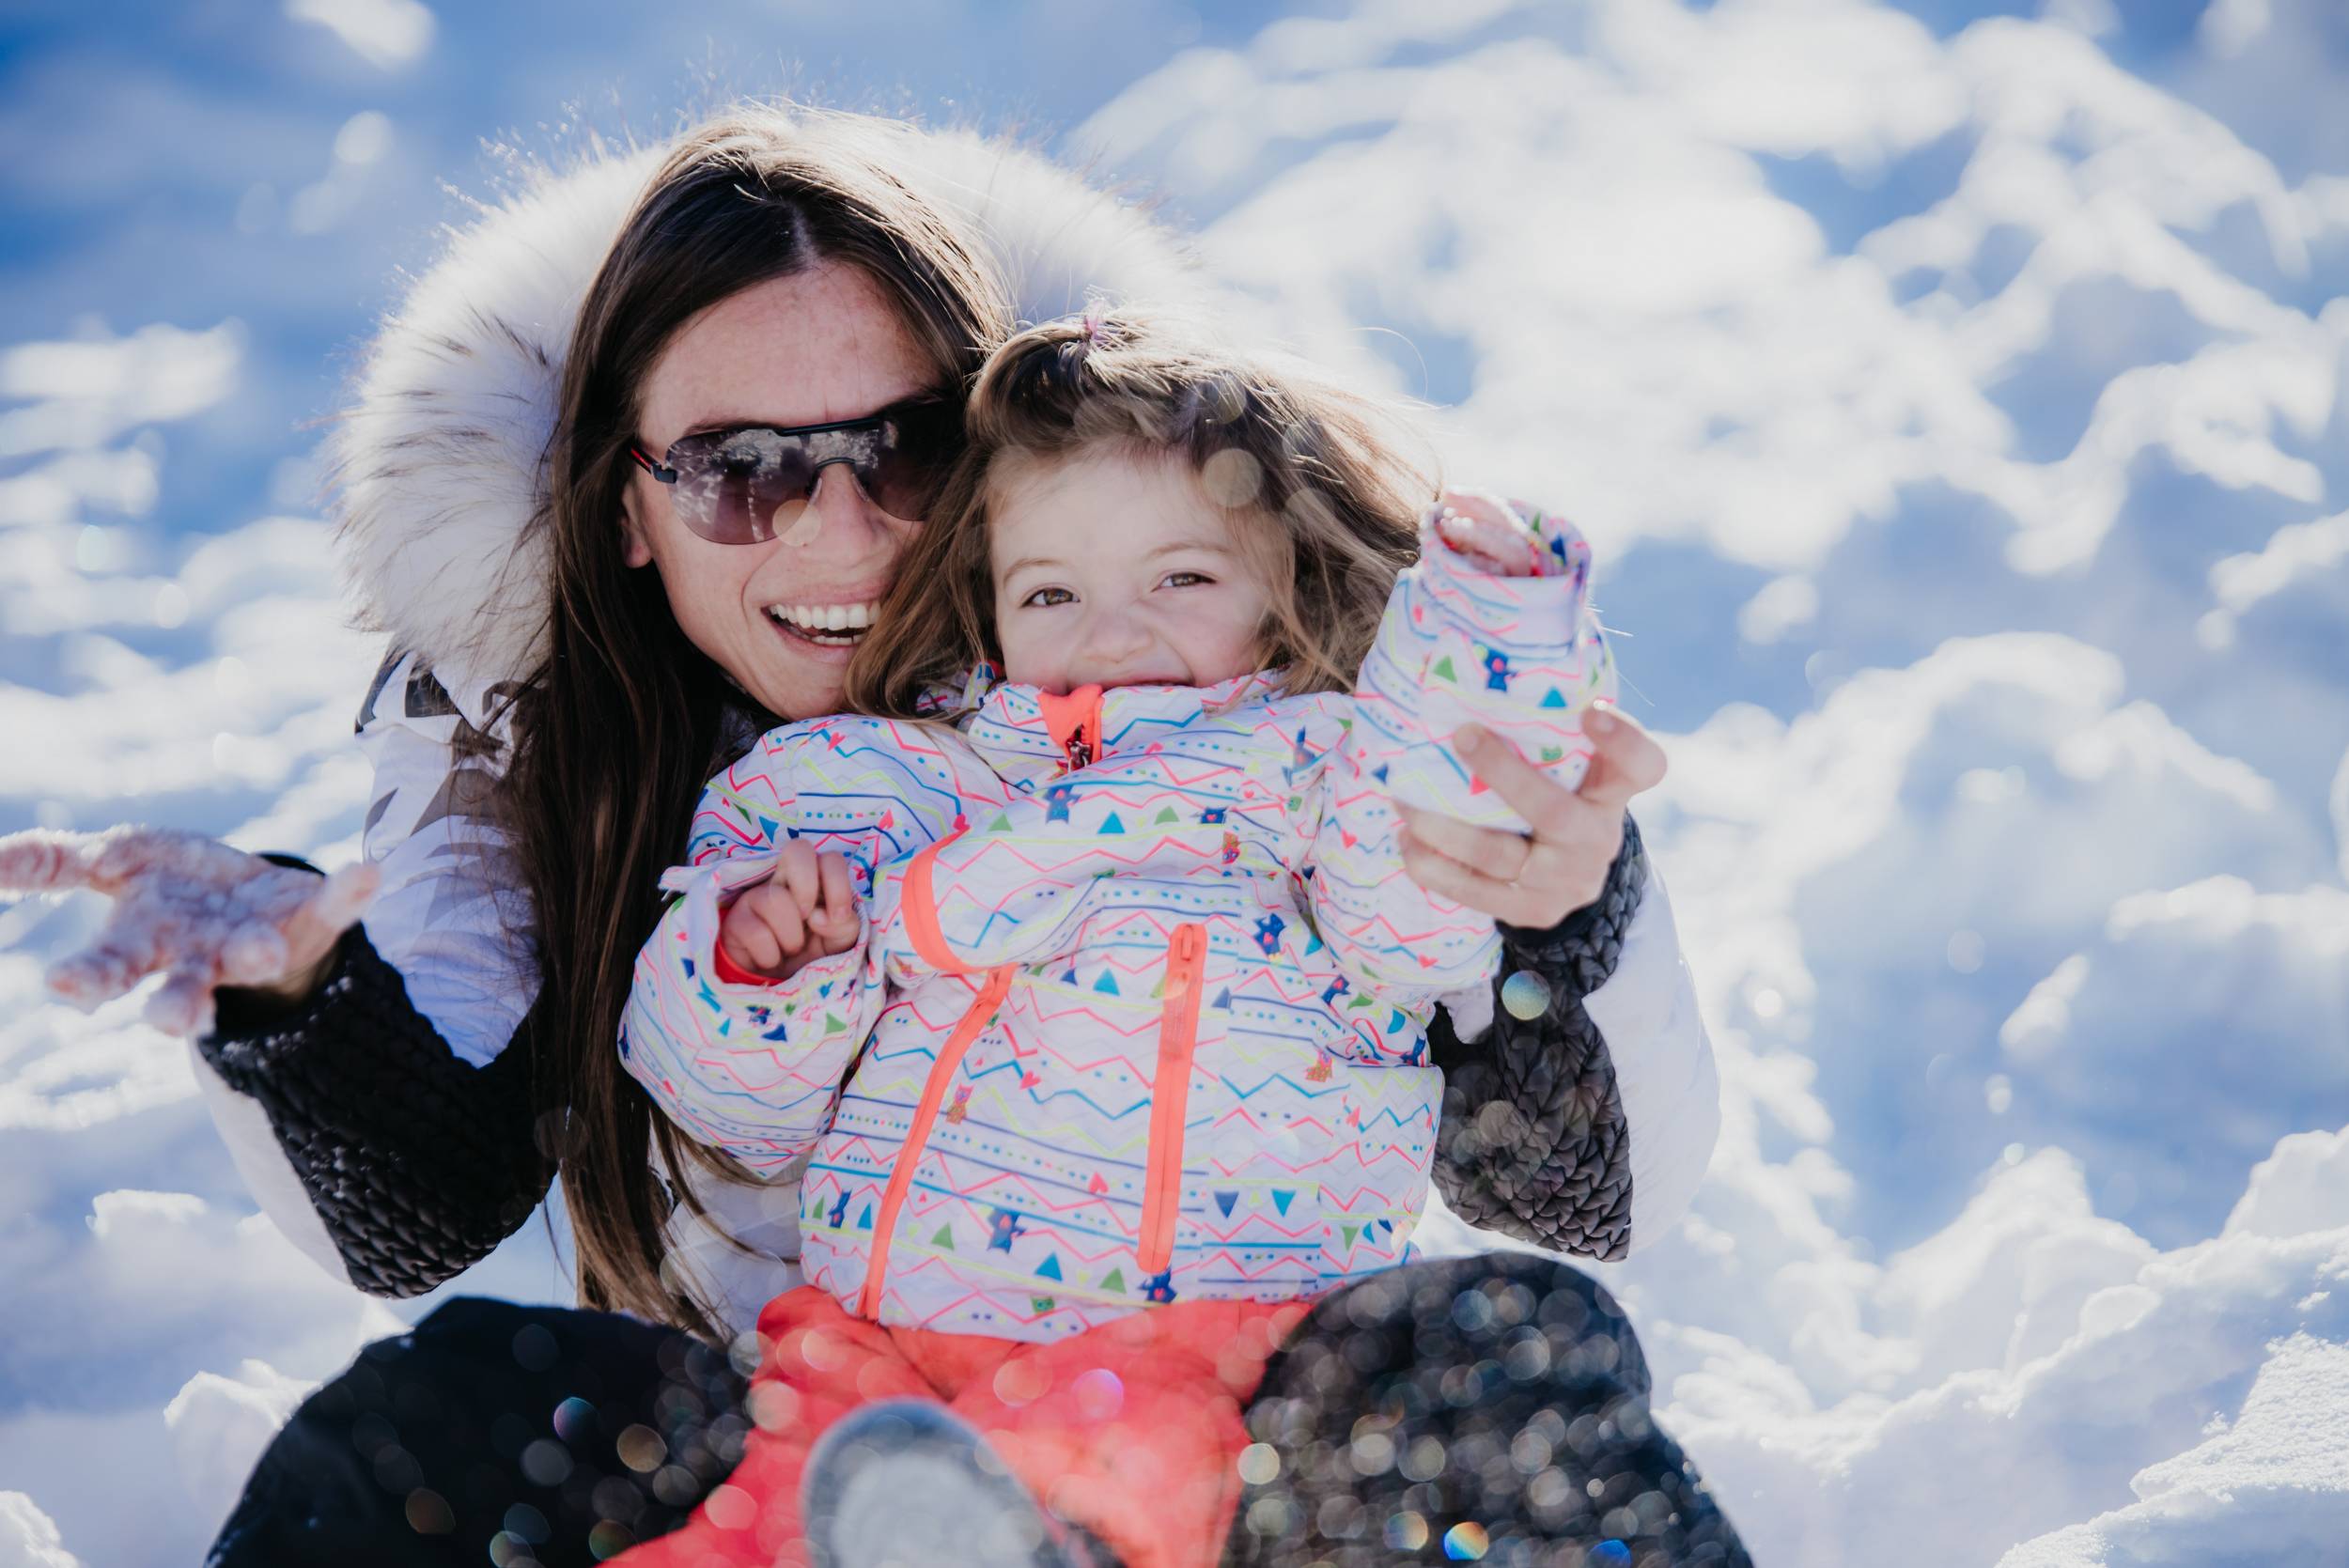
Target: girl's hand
(1535, 880)
(203, 915)
(805, 912)
(1489, 532)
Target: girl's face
(781, 617)
(1112, 568)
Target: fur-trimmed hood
(435, 468)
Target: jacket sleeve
(1523, 655)
(416, 1162)
(1586, 1126)
(387, 1125)
(748, 1066)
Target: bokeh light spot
(1259, 1464)
(1466, 1543)
(1099, 1394)
(1525, 995)
(1406, 1531)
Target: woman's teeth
(837, 621)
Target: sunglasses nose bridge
(810, 522)
(817, 475)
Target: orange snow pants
(1132, 1429)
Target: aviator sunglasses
(745, 484)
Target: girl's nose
(1112, 632)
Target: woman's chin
(801, 676)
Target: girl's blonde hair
(1319, 503)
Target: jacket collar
(1021, 730)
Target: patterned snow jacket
(1139, 1007)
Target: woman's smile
(836, 627)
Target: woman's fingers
(310, 933)
(345, 897)
(209, 913)
(125, 855)
(125, 952)
(1625, 758)
(1495, 850)
(183, 1004)
(1561, 864)
(1547, 806)
(1441, 875)
(40, 860)
(254, 954)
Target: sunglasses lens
(916, 447)
(741, 487)
(747, 485)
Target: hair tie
(1096, 316)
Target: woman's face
(823, 344)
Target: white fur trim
(437, 467)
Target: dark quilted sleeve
(419, 1162)
(1534, 1143)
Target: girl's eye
(1044, 599)
(1185, 580)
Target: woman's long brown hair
(619, 730)
(1320, 498)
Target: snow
(1955, 402)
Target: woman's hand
(203, 915)
(1535, 880)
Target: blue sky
(137, 134)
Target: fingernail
(1601, 719)
(1469, 741)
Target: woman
(572, 662)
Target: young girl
(1094, 995)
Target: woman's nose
(839, 514)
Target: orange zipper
(1073, 722)
(950, 1057)
(1178, 1037)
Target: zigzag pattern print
(1121, 1128)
